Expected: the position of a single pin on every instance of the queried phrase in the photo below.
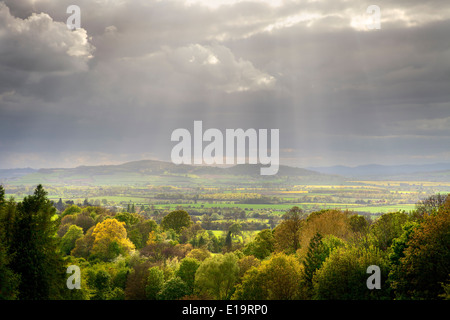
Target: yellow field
(297, 191)
(410, 183)
(337, 187)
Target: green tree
(429, 205)
(155, 282)
(69, 239)
(388, 227)
(199, 254)
(186, 272)
(318, 250)
(2, 196)
(176, 220)
(262, 246)
(83, 245)
(34, 248)
(139, 233)
(217, 275)
(8, 211)
(277, 278)
(343, 275)
(358, 224)
(425, 265)
(174, 289)
(9, 281)
(314, 258)
(72, 210)
(86, 292)
(235, 229)
(128, 218)
(228, 241)
(101, 282)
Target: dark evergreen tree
(60, 205)
(228, 241)
(9, 280)
(34, 248)
(2, 196)
(314, 257)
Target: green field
(285, 207)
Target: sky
(113, 90)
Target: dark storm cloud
(116, 89)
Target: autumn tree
(246, 263)
(287, 233)
(137, 281)
(325, 222)
(110, 239)
(176, 220)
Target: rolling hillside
(166, 173)
(429, 172)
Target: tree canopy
(124, 255)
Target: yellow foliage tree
(334, 222)
(110, 239)
(287, 233)
(155, 237)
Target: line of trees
(323, 255)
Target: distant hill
(166, 173)
(396, 172)
(8, 174)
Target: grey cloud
(334, 91)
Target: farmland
(363, 197)
(219, 197)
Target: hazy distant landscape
(368, 190)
